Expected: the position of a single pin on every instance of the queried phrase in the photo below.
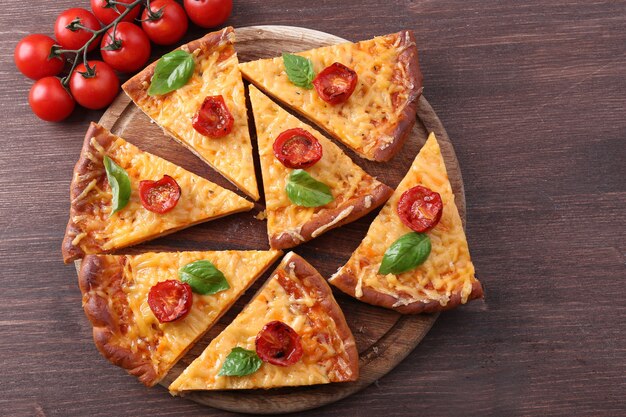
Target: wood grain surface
(533, 96)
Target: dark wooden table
(533, 95)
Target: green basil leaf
(304, 190)
(405, 253)
(172, 71)
(119, 182)
(203, 277)
(240, 362)
(299, 70)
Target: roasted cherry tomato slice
(336, 83)
(297, 148)
(170, 300)
(278, 344)
(420, 208)
(213, 118)
(159, 196)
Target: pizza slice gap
(148, 310)
(122, 196)
(415, 257)
(311, 186)
(364, 94)
(215, 90)
(291, 333)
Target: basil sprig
(299, 70)
(240, 362)
(172, 71)
(119, 182)
(304, 190)
(203, 277)
(405, 253)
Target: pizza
(415, 256)
(122, 196)
(310, 185)
(148, 310)
(291, 333)
(208, 114)
(364, 94)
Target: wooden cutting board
(383, 337)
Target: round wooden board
(383, 337)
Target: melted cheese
(365, 120)
(324, 357)
(216, 73)
(200, 200)
(346, 180)
(447, 270)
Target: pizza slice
(365, 94)
(310, 185)
(122, 196)
(291, 333)
(207, 114)
(148, 310)
(414, 257)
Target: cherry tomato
(75, 39)
(108, 14)
(49, 100)
(420, 208)
(208, 13)
(278, 344)
(165, 23)
(213, 119)
(159, 196)
(297, 148)
(170, 300)
(31, 57)
(133, 47)
(336, 83)
(97, 91)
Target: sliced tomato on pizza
(310, 185)
(415, 256)
(291, 333)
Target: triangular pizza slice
(213, 97)
(415, 256)
(122, 196)
(364, 94)
(310, 185)
(291, 333)
(148, 310)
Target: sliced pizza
(365, 94)
(415, 256)
(122, 196)
(148, 310)
(207, 113)
(310, 185)
(291, 333)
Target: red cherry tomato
(75, 38)
(165, 23)
(170, 300)
(49, 100)
(420, 208)
(108, 14)
(97, 91)
(31, 57)
(278, 344)
(336, 83)
(159, 196)
(208, 13)
(297, 148)
(133, 47)
(213, 119)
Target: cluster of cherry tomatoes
(122, 30)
